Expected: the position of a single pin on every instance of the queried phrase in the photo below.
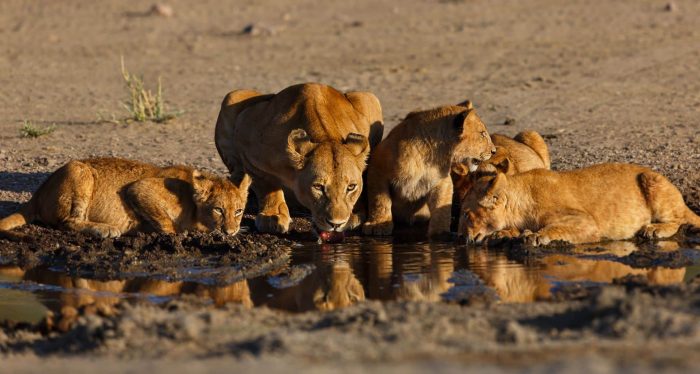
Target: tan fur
(410, 169)
(108, 197)
(607, 201)
(526, 151)
(308, 138)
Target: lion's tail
(15, 220)
(535, 141)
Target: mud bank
(173, 257)
(659, 325)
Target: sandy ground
(603, 81)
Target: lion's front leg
(379, 220)
(440, 205)
(573, 228)
(273, 216)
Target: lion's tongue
(331, 237)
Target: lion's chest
(413, 187)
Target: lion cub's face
(483, 208)
(329, 178)
(465, 174)
(219, 202)
(474, 141)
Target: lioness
(410, 169)
(526, 151)
(108, 197)
(309, 138)
(607, 201)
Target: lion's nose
(335, 224)
(231, 231)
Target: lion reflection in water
(516, 283)
(106, 294)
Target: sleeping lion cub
(526, 151)
(409, 171)
(607, 201)
(108, 197)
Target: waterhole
(326, 277)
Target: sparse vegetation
(143, 104)
(29, 130)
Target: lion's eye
(218, 211)
(484, 134)
(238, 212)
(318, 187)
(352, 187)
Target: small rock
(162, 10)
(671, 7)
(257, 30)
(509, 121)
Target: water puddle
(326, 277)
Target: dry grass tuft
(142, 104)
(28, 130)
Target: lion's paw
(535, 239)
(378, 229)
(103, 231)
(275, 224)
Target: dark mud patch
(174, 257)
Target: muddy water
(326, 277)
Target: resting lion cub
(526, 151)
(108, 197)
(410, 169)
(607, 201)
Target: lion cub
(526, 151)
(410, 169)
(108, 197)
(607, 201)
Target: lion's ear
(201, 185)
(462, 120)
(460, 168)
(242, 183)
(467, 104)
(496, 183)
(299, 145)
(505, 166)
(358, 146)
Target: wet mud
(173, 257)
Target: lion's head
(474, 141)
(220, 203)
(339, 288)
(484, 208)
(329, 176)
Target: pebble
(162, 10)
(257, 30)
(671, 7)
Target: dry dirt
(603, 81)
